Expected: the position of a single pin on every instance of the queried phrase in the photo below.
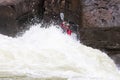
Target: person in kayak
(65, 25)
(69, 31)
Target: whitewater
(49, 54)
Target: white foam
(48, 53)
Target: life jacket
(66, 28)
(69, 31)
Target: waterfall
(49, 54)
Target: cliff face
(15, 12)
(86, 13)
(101, 13)
(53, 9)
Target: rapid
(49, 54)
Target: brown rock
(102, 38)
(8, 24)
(13, 13)
(104, 13)
(53, 9)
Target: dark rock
(102, 38)
(13, 13)
(116, 58)
(53, 9)
(101, 13)
(8, 23)
(73, 11)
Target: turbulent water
(49, 54)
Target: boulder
(8, 23)
(13, 13)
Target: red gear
(66, 28)
(69, 31)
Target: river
(49, 54)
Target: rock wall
(71, 9)
(101, 13)
(101, 26)
(86, 13)
(15, 12)
(102, 38)
(53, 9)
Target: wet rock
(101, 13)
(102, 38)
(8, 23)
(53, 9)
(13, 13)
(116, 58)
(73, 11)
